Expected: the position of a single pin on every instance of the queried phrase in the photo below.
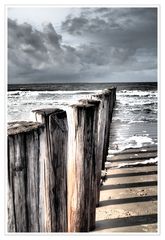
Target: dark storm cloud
(125, 39)
(24, 34)
(72, 25)
(52, 37)
(117, 44)
(116, 26)
(38, 55)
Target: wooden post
(37, 199)
(108, 98)
(104, 119)
(54, 168)
(17, 217)
(102, 111)
(80, 158)
(23, 182)
(112, 100)
(107, 102)
(56, 175)
(93, 187)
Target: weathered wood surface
(55, 172)
(17, 189)
(55, 167)
(81, 157)
(102, 112)
(95, 160)
(37, 155)
(109, 99)
(23, 167)
(106, 99)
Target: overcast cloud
(97, 44)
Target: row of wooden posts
(54, 166)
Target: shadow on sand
(129, 185)
(127, 200)
(131, 174)
(126, 221)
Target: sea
(135, 116)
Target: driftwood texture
(55, 173)
(106, 98)
(37, 159)
(81, 158)
(54, 167)
(94, 160)
(23, 183)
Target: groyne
(55, 163)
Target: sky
(49, 45)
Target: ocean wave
(119, 120)
(136, 103)
(23, 93)
(131, 142)
(61, 92)
(135, 121)
(136, 93)
(138, 163)
(14, 93)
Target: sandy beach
(128, 198)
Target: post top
(48, 111)
(90, 101)
(81, 104)
(22, 126)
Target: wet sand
(128, 198)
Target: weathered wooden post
(107, 103)
(54, 167)
(93, 187)
(24, 155)
(112, 100)
(104, 119)
(114, 95)
(81, 122)
(37, 160)
(55, 121)
(108, 98)
(102, 111)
